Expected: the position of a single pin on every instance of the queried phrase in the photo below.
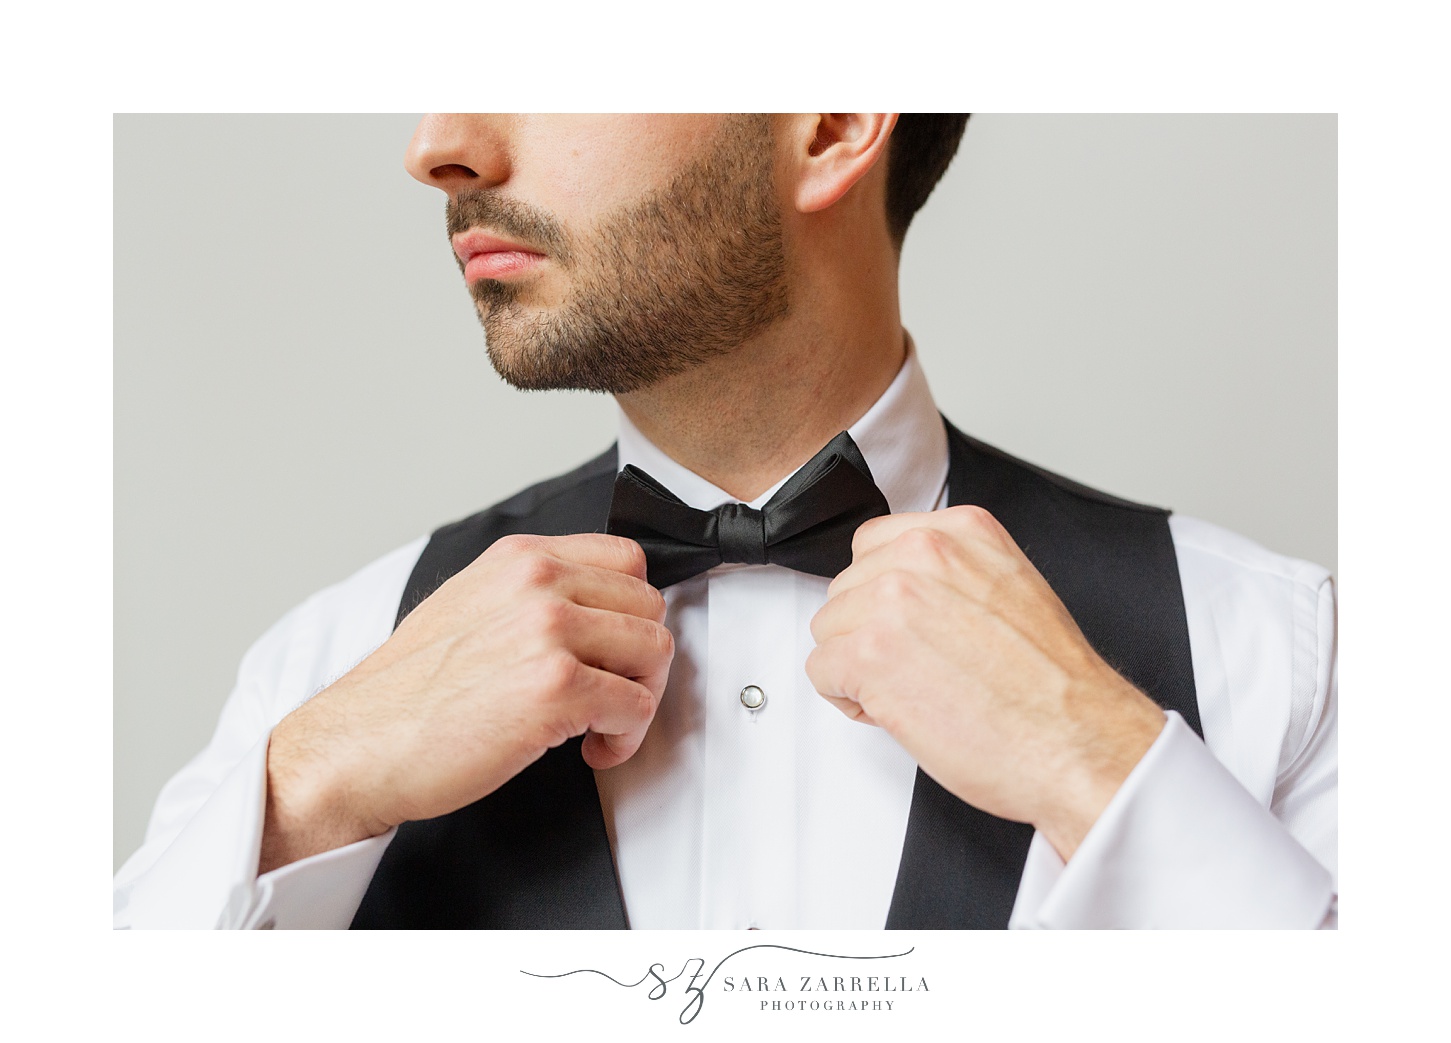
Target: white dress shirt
(792, 816)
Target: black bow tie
(806, 526)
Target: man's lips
(489, 257)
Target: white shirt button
(752, 698)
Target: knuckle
(558, 672)
(926, 543)
(899, 587)
(817, 663)
(977, 518)
(552, 731)
(535, 570)
(631, 556)
(875, 644)
(514, 543)
(645, 704)
(656, 603)
(881, 712)
(551, 618)
(664, 641)
(864, 533)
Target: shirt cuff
(207, 877)
(318, 893)
(1182, 844)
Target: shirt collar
(901, 436)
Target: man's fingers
(593, 569)
(613, 705)
(617, 712)
(628, 646)
(588, 548)
(928, 551)
(843, 613)
(852, 710)
(878, 532)
(965, 521)
(830, 669)
(926, 556)
(607, 751)
(964, 546)
(595, 587)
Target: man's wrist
(1096, 763)
(311, 805)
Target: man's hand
(540, 639)
(943, 633)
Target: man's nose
(453, 151)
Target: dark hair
(922, 145)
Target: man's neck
(750, 418)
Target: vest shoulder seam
(1076, 489)
(534, 498)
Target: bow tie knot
(740, 533)
(807, 525)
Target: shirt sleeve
(198, 865)
(204, 873)
(1238, 829)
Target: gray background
(1145, 303)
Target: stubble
(685, 275)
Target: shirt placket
(750, 863)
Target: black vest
(534, 853)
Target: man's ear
(835, 150)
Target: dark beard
(684, 276)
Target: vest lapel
(1113, 564)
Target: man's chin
(530, 366)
